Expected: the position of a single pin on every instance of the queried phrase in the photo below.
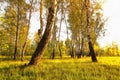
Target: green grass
(107, 68)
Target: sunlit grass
(107, 68)
(109, 60)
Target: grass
(108, 68)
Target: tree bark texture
(46, 36)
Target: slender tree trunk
(67, 34)
(81, 47)
(41, 20)
(17, 31)
(53, 52)
(23, 50)
(92, 52)
(72, 49)
(26, 38)
(59, 47)
(62, 16)
(72, 52)
(66, 26)
(10, 49)
(46, 36)
(54, 41)
(60, 51)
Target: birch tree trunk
(92, 52)
(41, 20)
(46, 36)
(26, 38)
(17, 31)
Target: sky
(112, 11)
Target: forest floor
(107, 68)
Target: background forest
(69, 36)
(69, 31)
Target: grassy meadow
(107, 68)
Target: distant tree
(86, 23)
(27, 31)
(111, 50)
(17, 28)
(15, 22)
(54, 42)
(4, 46)
(77, 22)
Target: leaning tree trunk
(46, 36)
(92, 52)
